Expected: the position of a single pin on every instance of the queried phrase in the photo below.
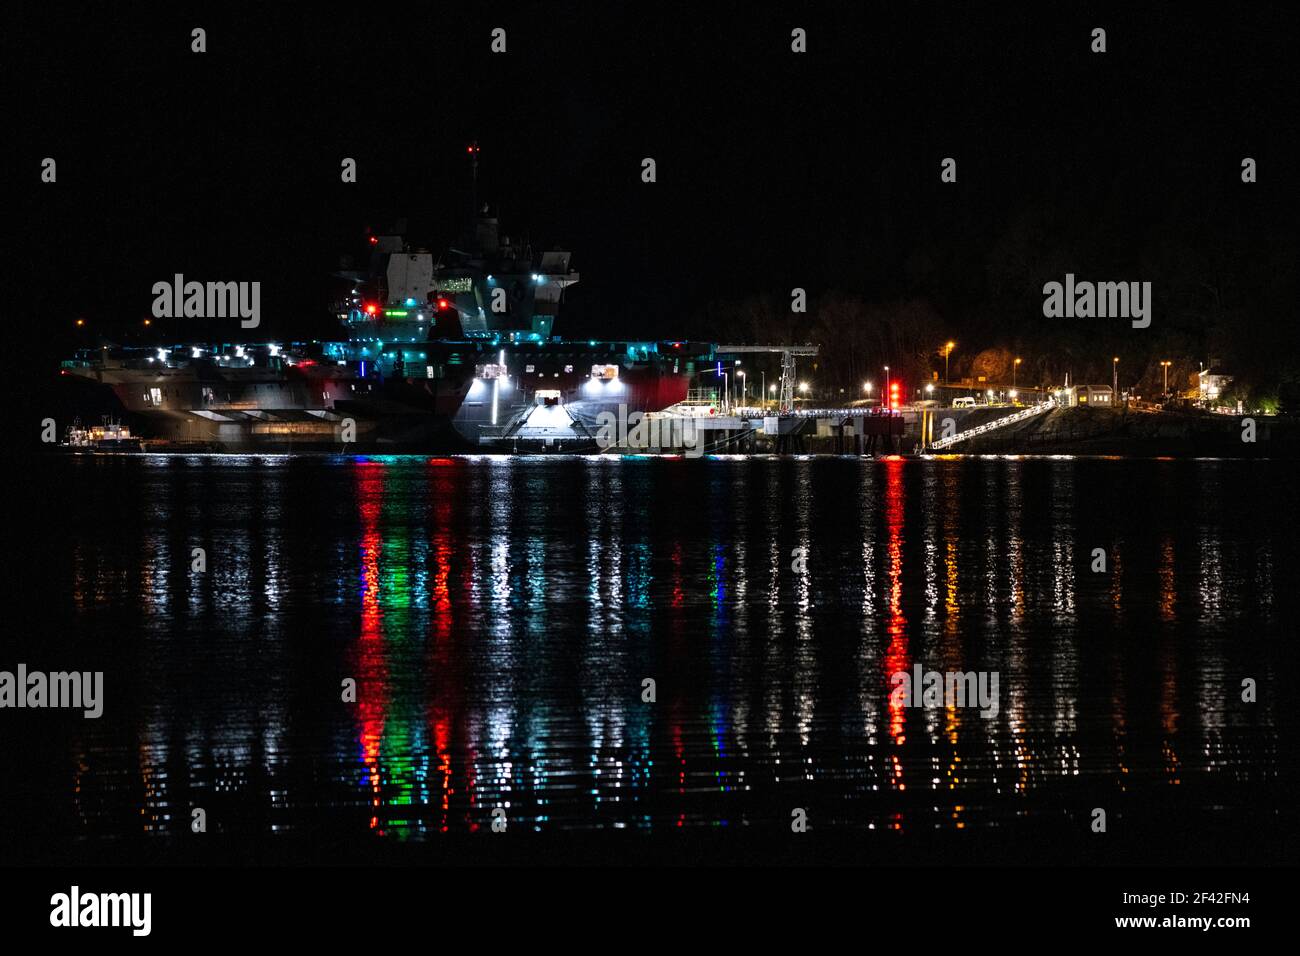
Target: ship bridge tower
(499, 287)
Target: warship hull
(463, 396)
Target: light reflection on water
(500, 615)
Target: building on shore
(1089, 395)
(1211, 383)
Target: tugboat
(110, 436)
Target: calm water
(499, 617)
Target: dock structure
(785, 400)
(705, 423)
(842, 431)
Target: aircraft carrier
(446, 353)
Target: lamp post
(1014, 365)
(1114, 380)
(1165, 365)
(885, 393)
(947, 350)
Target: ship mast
(473, 165)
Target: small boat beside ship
(108, 436)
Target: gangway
(1020, 416)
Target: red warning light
(374, 240)
(442, 303)
(371, 308)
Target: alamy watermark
(75, 909)
(1101, 300)
(209, 300)
(640, 432)
(59, 689)
(922, 688)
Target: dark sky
(775, 170)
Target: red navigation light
(374, 240)
(371, 308)
(442, 303)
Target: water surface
(500, 616)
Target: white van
(965, 402)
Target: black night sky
(775, 170)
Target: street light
(1114, 383)
(947, 350)
(1014, 366)
(886, 380)
(1166, 365)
